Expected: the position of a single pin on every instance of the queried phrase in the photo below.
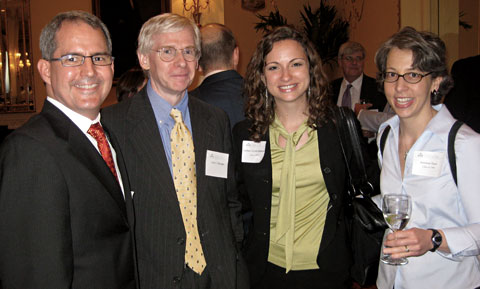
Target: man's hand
(359, 107)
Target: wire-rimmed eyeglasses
(410, 77)
(70, 60)
(168, 53)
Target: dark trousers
(191, 280)
(276, 278)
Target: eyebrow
(295, 59)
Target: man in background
(359, 92)
(222, 86)
(178, 153)
(463, 101)
(63, 214)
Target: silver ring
(406, 249)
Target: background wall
(378, 20)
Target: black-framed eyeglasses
(71, 60)
(168, 53)
(410, 77)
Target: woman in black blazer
(291, 170)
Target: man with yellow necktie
(178, 156)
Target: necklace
(405, 156)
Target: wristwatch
(436, 240)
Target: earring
(266, 97)
(435, 93)
(308, 92)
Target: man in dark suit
(222, 86)
(351, 59)
(63, 216)
(463, 101)
(359, 91)
(146, 127)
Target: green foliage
(322, 26)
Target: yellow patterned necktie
(185, 180)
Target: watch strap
(436, 243)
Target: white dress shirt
(437, 203)
(84, 123)
(354, 91)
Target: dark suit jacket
(369, 92)
(159, 229)
(224, 90)
(463, 101)
(63, 219)
(255, 179)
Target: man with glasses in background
(178, 154)
(360, 92)
(63, 210)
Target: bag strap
(348, 133)
(383, 139)
(451, 146)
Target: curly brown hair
(260, 113)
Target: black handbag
(366, 222)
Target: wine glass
(396, 211)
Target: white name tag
(427, 164)
(216, 164)
(253, 152)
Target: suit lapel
(85, 152)
(145, 141)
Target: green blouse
(299, 200)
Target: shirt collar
(162, 108)
(82, 122)
(357, 83)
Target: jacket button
(265, 208)
(180, 241)
(327, 170)
(176, 280)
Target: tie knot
(349, 86)
(176, 115)
(96, 131)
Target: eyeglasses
(410, 77)
(168, 53)
(71, 60)
(352, 59)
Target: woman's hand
(408, 243)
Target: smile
(403, 100)
(86, 86)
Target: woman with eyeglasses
(442, 237)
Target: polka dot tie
(185, 180)
(96, 131)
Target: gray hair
(165, 23)
(48, 43)
(429, 55)
(350, 47)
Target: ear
(44, 68)
(236, 57)
(144, 61)
(436, 83)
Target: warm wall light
(195, 7)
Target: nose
(88, 68)
(180, 59)
(286, 74)
(401, 84)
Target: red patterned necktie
(98, 134)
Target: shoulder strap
(451, 148)
(383, 139)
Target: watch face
(437, 238)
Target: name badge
(216, 164)
(428, 164)
(253, 152)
